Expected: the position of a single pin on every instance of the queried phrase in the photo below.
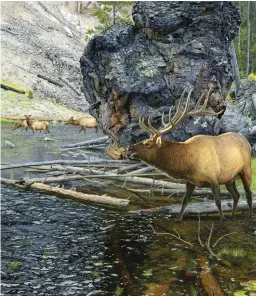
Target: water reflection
(64, 247)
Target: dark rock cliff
(129, 70)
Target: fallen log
(52, 81)
(87, 143)
(62, 161)
(78, 196)
(97, 146)
(204, 207)
(126, 168)
(135, 180)
(6, 87)
(70, 86)
(171, 192)
(208, 280)
(141, 171)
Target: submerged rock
(129, 70)
(8, 144)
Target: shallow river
(54, 246)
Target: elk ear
(159, 141)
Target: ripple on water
(63, 247)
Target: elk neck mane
(174, 158)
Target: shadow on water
(52, 246)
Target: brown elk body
(37, 125)
(84, 123)
(202, 161)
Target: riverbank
(14, 106)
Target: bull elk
(203, 161)
(37, 125)
(84, 123)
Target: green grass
(28, 93)
(236, 252)
(253, 174)
(10, 121)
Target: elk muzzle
(130, 152)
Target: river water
(54, 246)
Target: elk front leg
(216, 194)
(189, 190)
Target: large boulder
(129, 70)
(240, 116)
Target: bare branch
(218, 240)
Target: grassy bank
(14, 104)
(9, 121)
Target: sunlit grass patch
(28, 93)
(233, 252)
(10, 121)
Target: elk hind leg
(189, 190)
(231, 187)
(216, 193)
(246, 179)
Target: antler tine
(179, 107)
(202, 110)
(143, 126)
(185, 112)
(177, 119)
(172, 120)
(170, 113)
(199, 101)
(151, 126)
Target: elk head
(71, 120)
(149, 150)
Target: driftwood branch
(87, 143)
(126, 168)
(205, 207)
(82, 197)
(61, 161)
(178, 237)
(135, 180)
(69, 85)
(52, 81)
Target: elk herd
(202, 161)
(37, 125)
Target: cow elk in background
(37, 125)
(84, 123)
(23, 123)
(203, 161)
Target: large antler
(180, 115)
